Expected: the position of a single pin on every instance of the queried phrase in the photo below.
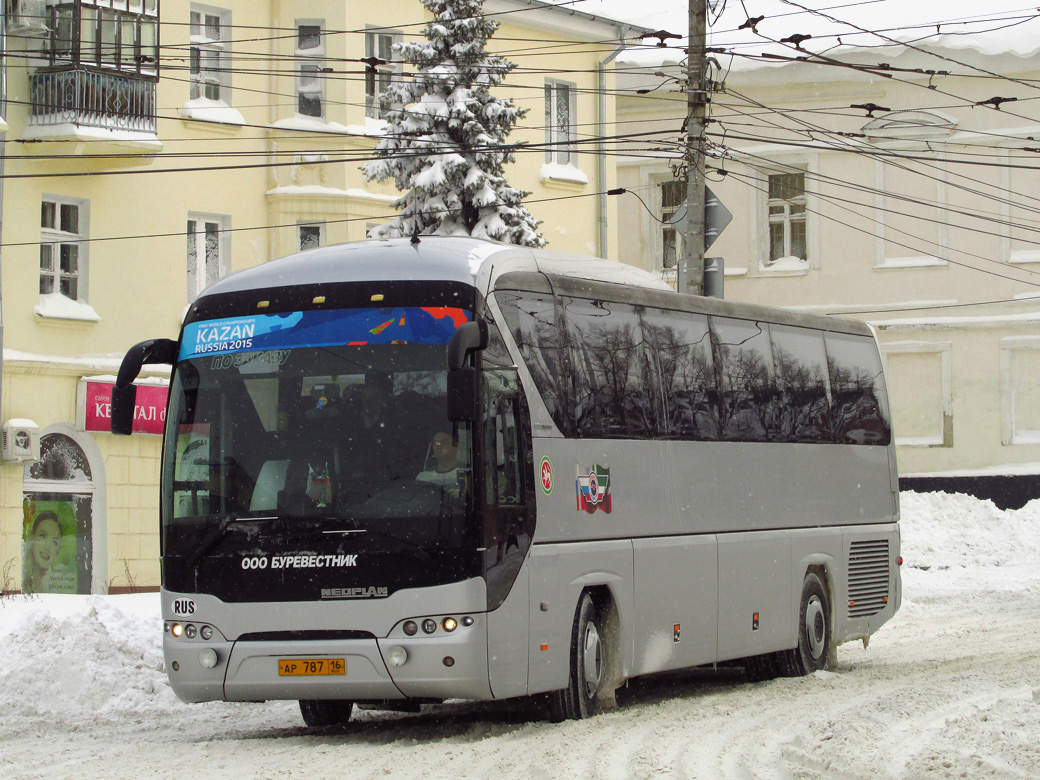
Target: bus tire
(318, 713)
(587, 667)
(814, 632)
(759, 668)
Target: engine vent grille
(868, 577)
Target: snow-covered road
(949, 689)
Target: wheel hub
(815, 627)
(592, 664)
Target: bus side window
(858, 390)
(504, 475)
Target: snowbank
(91, 665)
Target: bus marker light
(319, 299)
(429, 626)
(377, 297)
(410, 627)
(263, 304)
(545, 647)
(397, 655)
(449, 661)
(449, 624)
(176, 666)
(208, 658)
(467, 621)
(177, 629)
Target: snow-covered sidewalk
(950, 688)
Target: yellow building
(151, 150)
(907, 200)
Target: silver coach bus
(399, 472)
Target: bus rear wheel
(814, 632)
(587, 667)
(318, 713)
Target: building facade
(902, 193)
(151, 150)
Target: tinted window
(801, 368)
(604, 339)
(745, 363)
(531, 320)
(857, 389)
(678, 358)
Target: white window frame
(943, 349)
(216, 77)
(783, 212)
(1010, 433)
(309, 224)
(379, 76)
(882, 206)
(310, 62)
(758, 236)
(560, 133)
(202, 274)
(665, 227)
(52, 241)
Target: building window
(207, 251)
(310, 62)
(380, 72)
(104, 34)
(921, 392)
(559, 121)
(786, 217)
(673, 195)
(1020, 390)
(62, 229)
(311, 235)
(210, 54)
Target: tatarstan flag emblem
(593, 488)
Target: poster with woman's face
(49, 547)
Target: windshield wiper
(418, 549)
(217, 534)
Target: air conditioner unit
(27, 17)
(21, 440)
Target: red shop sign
(95, 407)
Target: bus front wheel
(814, 632)
(318, 713)
(587, 667)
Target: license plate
(307, 667)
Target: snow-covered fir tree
(445, 135)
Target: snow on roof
(1000, 27)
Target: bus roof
(434, 258)
(479, 263)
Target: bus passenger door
(508, 527)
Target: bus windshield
(335, 427)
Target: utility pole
(691, 268)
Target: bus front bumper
(354, 669)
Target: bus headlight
(177, 629)
(397, 655)
(410, 627)
(449, 624)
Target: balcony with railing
(103, 65)
(112, 101)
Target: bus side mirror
(468, 338)
(463, 391)
(124, 394)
